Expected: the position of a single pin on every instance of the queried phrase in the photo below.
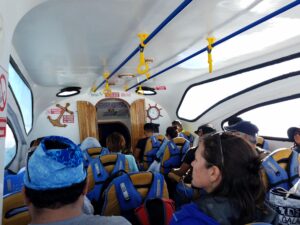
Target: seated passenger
(55, 185)
(115, 142)
(294, 136)
(228, 169)
(248, 132)
(190, 155)
(89, 142)
(140, 147)
(183, 133)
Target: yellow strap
(143, 66)
(210, 40)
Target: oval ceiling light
(68, 91)
(144, 90)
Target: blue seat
(13, 182)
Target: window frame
(16, 140)
(270, 102)
(18, 71)
(247, 69)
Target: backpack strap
(86, 159)
(120, 163)
(293, 168)
(129, 198)
(150, 155)
(277, 176)
(100, 175)
(157, 186)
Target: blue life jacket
(88, 157)
(127, 195)
(13, 182)
(176, 155)
(279, 177)
(101, 175)
(150, 155)
(190, 137)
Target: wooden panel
(87, 120)
(138, 119)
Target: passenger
(182, 132)
(228, 169)
(190, 155)
(185, 193)
(248, 132)
(90, 142)
(55, 185)
(294, 136)
(140, 147)
(234, 120)
(115, 142)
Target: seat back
(281, 168)
(152, 145)
(129, 191)
(102, 168)
(15, 212)
(13, 182)
(173, 154)
(187, 135)
(92, 153)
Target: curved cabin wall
(43, 127)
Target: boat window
(10, 146)
(22, 94)
(201, 97)
(276, 125)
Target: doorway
(105, 129)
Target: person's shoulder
(104, 220)
(190, 214)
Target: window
(285, 114)
(10, 146)
(202, 97)
(22, 94)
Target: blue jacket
(190, 214)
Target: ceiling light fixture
(68, 91)
(143, 90)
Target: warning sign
(2, 127)
(3, 91)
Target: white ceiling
(72, 42)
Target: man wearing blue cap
(55, 185)
(248, 132)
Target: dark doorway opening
(105, 129)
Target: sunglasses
(219, 136)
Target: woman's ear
(215, 174)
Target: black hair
(241, 172)
(176, 123)
(115, 142)
(149, 127)
(172, 132)
(55, 198)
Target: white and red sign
(68, 118)
(2, 127)
(54, 111)
(160, 88)
(3, 90)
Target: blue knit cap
(56, 163)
